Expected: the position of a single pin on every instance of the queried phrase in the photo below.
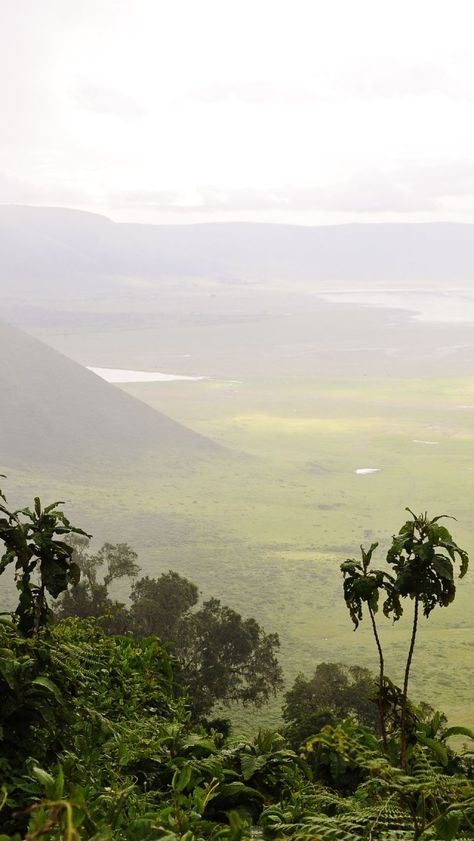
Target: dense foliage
(97, 744)
(332, 693)
(222, 657)
(91, 719)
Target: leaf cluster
(34, 543)
(422, 556)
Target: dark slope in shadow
(55, 412)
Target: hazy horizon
(190, 220)
(302, 113)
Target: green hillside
(56, 414)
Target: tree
(158, 605)
(222, 657)
(226, 658)
(90, 597)
(334, 692)
(422, 557)
(362, 586)
(43, 563)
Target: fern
(390, 804)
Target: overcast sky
(305, 111)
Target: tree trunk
(403, 721)
(383, 728)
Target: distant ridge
(69, 252)
(54, 412)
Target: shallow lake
(121, 375)
(437, 305)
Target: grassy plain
(301, 393)
(266, 529)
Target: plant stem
(403, 721)
(383, 728)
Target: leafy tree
(65, 697)
(90, 597)
(222, 657)
(226, 658)
(332, 693)
(43, 563)
(422, 558)
(362, 586)
(159, 604)
(268, 765)
(119, 560)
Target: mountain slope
(54, 411)
(68, 253)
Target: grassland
(266, 527)
(301, 394)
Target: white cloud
(17, 191)
(106, 100)
(239, 107)
(391, 77)
(254, 91)
(402, 189)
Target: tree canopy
(334, 692)
(222, 657)
(226, 658)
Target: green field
(300, 393)
(265, 527)
(300, 508)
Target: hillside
(71, 254)
(54, 411)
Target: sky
(297, 111)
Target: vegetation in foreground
(98, 741)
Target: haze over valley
(311, 397)
(236, 420)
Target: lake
(436, 306)
(121, 375)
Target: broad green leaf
(58, 791)
(235, 789)
(181, 778)
(48, 684)
(52, 506)
(443, 567)
(250, 764)
(447, 826)
(459, 731)
(44, 777)
(437, 749)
